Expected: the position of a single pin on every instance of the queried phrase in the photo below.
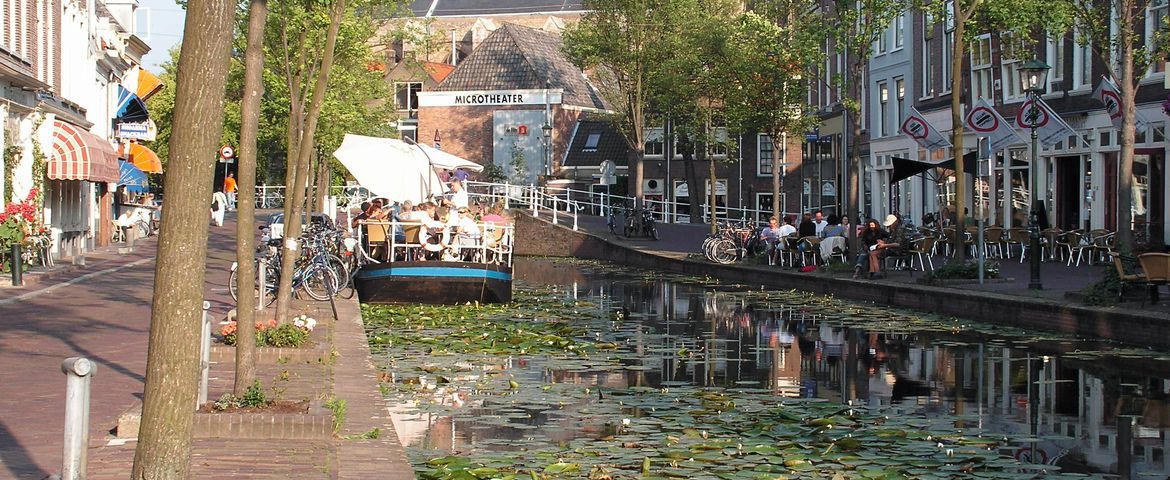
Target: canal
(601, 370)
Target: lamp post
(1033, 78)
(546, 131)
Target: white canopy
(389, 168)
(447, 161)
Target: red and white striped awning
(80, 155)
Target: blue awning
(130, 107)
(132, 178)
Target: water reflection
(1079, 413)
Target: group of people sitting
(889, 238)
(443, 229)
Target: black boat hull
(438, 283)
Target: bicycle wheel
(653, 232)
(269, 294)
(320, 282)
(725, 251)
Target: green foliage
(373, 434)
(518, 165)
(254, 396)
(338, 407)
(11, 158)
(285, 335)
(494, 173)
(965, 270)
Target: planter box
(316, 424)
(221, 353)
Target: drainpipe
(454, 51)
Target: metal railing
(481, 242)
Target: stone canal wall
(539, 238)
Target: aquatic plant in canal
(552, 387)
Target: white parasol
(447, 161)
(389, 168)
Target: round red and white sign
(983, 120)
(227, 152)
(916, 128)
(1040, 120)
(1112, 104)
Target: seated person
(834, 228)
(873, 239)
(771, 236)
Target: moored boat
(434, 282)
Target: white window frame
(1082, 64)
(763, 139)
(927, 64)
(900, 102)
(1152, 13)
(654, 136)
(1055, 53)
(900, 31)
(982, 71)
(882, 120)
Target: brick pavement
(102, 311)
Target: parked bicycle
(318, 273)
(732, 243)
(640, 223)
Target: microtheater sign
(475, 98)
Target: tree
(624, 43)
(771, 49)
(164, 446)
(245, 223)
(301, 132)
(859, 23)
(1112, 30)
(1013, 21)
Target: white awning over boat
(448, 161)
(390, 168)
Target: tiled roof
(610, 145)
(438, 71)
(445, 8)
(515, 57)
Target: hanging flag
(1108, 94)
(986, 122)
(923, 132)
(1050, 128)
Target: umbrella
(389, 167)
(447, 161)
(132, 178)
(905, 168)
(145, 159)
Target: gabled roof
(447, 8)
(610, 145)
(515, 57)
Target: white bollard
(554, 209)
(262, 282)
(205, 355)
(78, 372)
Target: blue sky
(160, 25)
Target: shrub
(253, 397)
(271, 334)
(967, 270)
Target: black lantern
(1033, 75)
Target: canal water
(1085, 406)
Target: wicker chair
(1157, 271)
(1125, 278)
(922, 249)
(1019, 236)
(1103, 243)
(993, 241)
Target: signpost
(227, 155)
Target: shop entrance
(1068, 193)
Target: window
(900, 30)
(1056, 60)
(406, 96)
(882, 122)
(879, 45)
(900, 90)
(982, 78)
(947, 52)
(654, 144)
(591, 142)
(1082, 62)
(927, 67)
(719, 144)
(1155, 22)
(1011, 81)
(765, 156)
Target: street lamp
(546, 131)
(1033, 78)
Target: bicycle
(640, 223)
(315, 273)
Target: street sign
(227, 152)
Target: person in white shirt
(786, 228)
(219, 204)
(458, 196)
(819, 221)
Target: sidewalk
(680, 240)
(102, 311)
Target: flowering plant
(19, 224)
(1166, 106)
(272, 334)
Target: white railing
(534, 198)
(499, 251)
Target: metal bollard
(78, 372)
(204, 355)
(17, 266)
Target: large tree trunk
(856, 76)
(292, 219)
(692, 176)
(712, 204)
(246, 204)
(957, 135)
(1128, 93)
(323, 182)
(172, 364)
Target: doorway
(1068, 192)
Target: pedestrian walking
(219, 203)
(229, 187)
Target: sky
(160, 25)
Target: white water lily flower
(625, 422)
